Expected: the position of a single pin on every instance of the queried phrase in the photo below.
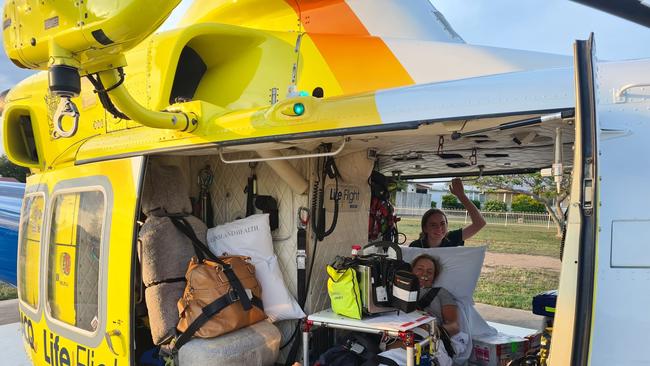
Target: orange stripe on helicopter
(359, 63)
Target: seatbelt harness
(301, 255)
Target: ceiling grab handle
(285, 157)
(66, 108)
(619, 95)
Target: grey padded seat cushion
(165, 251)
(164, 187)
(256, 345)
(162, 306)
(165, 255)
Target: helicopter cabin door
(86, 266)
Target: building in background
(420, 195)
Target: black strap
(208, 312)
(302, 272)
(202, 251)
(446, 341)
(386, 361)
(251, 193)
(425, 300)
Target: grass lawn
(7, 291)
(499, 239)
(514, 287)
(506, 286)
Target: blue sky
(539, 25)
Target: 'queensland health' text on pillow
(251, 237)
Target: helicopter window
(74, 257)
(30, 249)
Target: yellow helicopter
(271, 89)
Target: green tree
(541, 189)
(524, 203)
(9, 169)
(450, 201)
(495, 206)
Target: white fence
(493, 218)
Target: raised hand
(456, 187)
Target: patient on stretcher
(440, 303)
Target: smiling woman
(435, 224)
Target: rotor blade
(637, 11)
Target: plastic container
(355, 250)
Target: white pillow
(251, 237)
(278, 302)
(461, 267)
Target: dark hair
(434, 260)
(425, 218)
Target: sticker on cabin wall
(349, 197)
(66, 263)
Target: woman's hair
(425, 218)
(434, 260)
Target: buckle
(232, 294)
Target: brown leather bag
(221, 295)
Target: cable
(104, 98)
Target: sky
(538, 25)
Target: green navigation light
(298, 109)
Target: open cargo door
(602, 306)
(573, 320)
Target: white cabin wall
(229, 203)
(351, 228)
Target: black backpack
(355, 349)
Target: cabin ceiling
(415, 152)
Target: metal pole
(410, 356)
(506, 223)
(466, 216)
(305, 348)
